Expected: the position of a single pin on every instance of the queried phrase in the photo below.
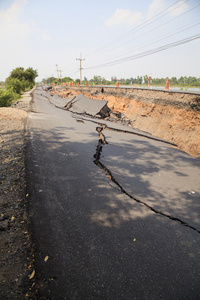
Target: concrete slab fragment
(58, 101)
(85, 105)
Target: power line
(165, 37)
(72, 73)
(170, 35)
(155, 29)
(148, 23)
(150, 31)
(146, 53)
(141, 26)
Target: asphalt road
(127, 227)
(194, 91)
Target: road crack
(141, 134)
(101, 142)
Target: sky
(115, 38)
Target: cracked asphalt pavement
(116, 213)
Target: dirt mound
(9, 113)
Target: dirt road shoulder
(15, 240)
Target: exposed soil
(16, 260)
(174, 117)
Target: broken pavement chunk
(85, 105)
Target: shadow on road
(101, 243)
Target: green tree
(145, 79)
(18, 81)
(17, 73)
(139, 80)
(25, 77)
(14, 85)
(181, 80)
(173, 81)
(77, 81)
(114, 79)
(67, 79)
(30, 75)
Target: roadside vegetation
(181, 82)
(19, 81)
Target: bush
(14, 85)
(18, 82)
(7, 98)
(26, 85)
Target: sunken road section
(171, 116)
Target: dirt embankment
(174, 117)
(16, 251)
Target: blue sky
(42, 34)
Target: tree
(114, 78)
(17, 73)
(127, 81)
(67, 79)
(181, 80)
(20, 79)
(173, 81)
(15, 85)
(30, 75)
(145, 79)
(139, 80)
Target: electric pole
(60, 75)
(57, 71)
(80, 68)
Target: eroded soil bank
(16, 247)
(174, 117)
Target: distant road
(195, 91)
(158, 88)
(127, 227)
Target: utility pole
(80, 68)
(60, 76)
(57, 71)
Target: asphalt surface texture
(115, 211)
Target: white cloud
(178, 9)
(12, 29)
(17, 38)
(45, 36)
(124, 17)
(10, 26)
(155, 7)
(14, 11)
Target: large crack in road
(102, 141)
(97, 156)
(141, 134)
